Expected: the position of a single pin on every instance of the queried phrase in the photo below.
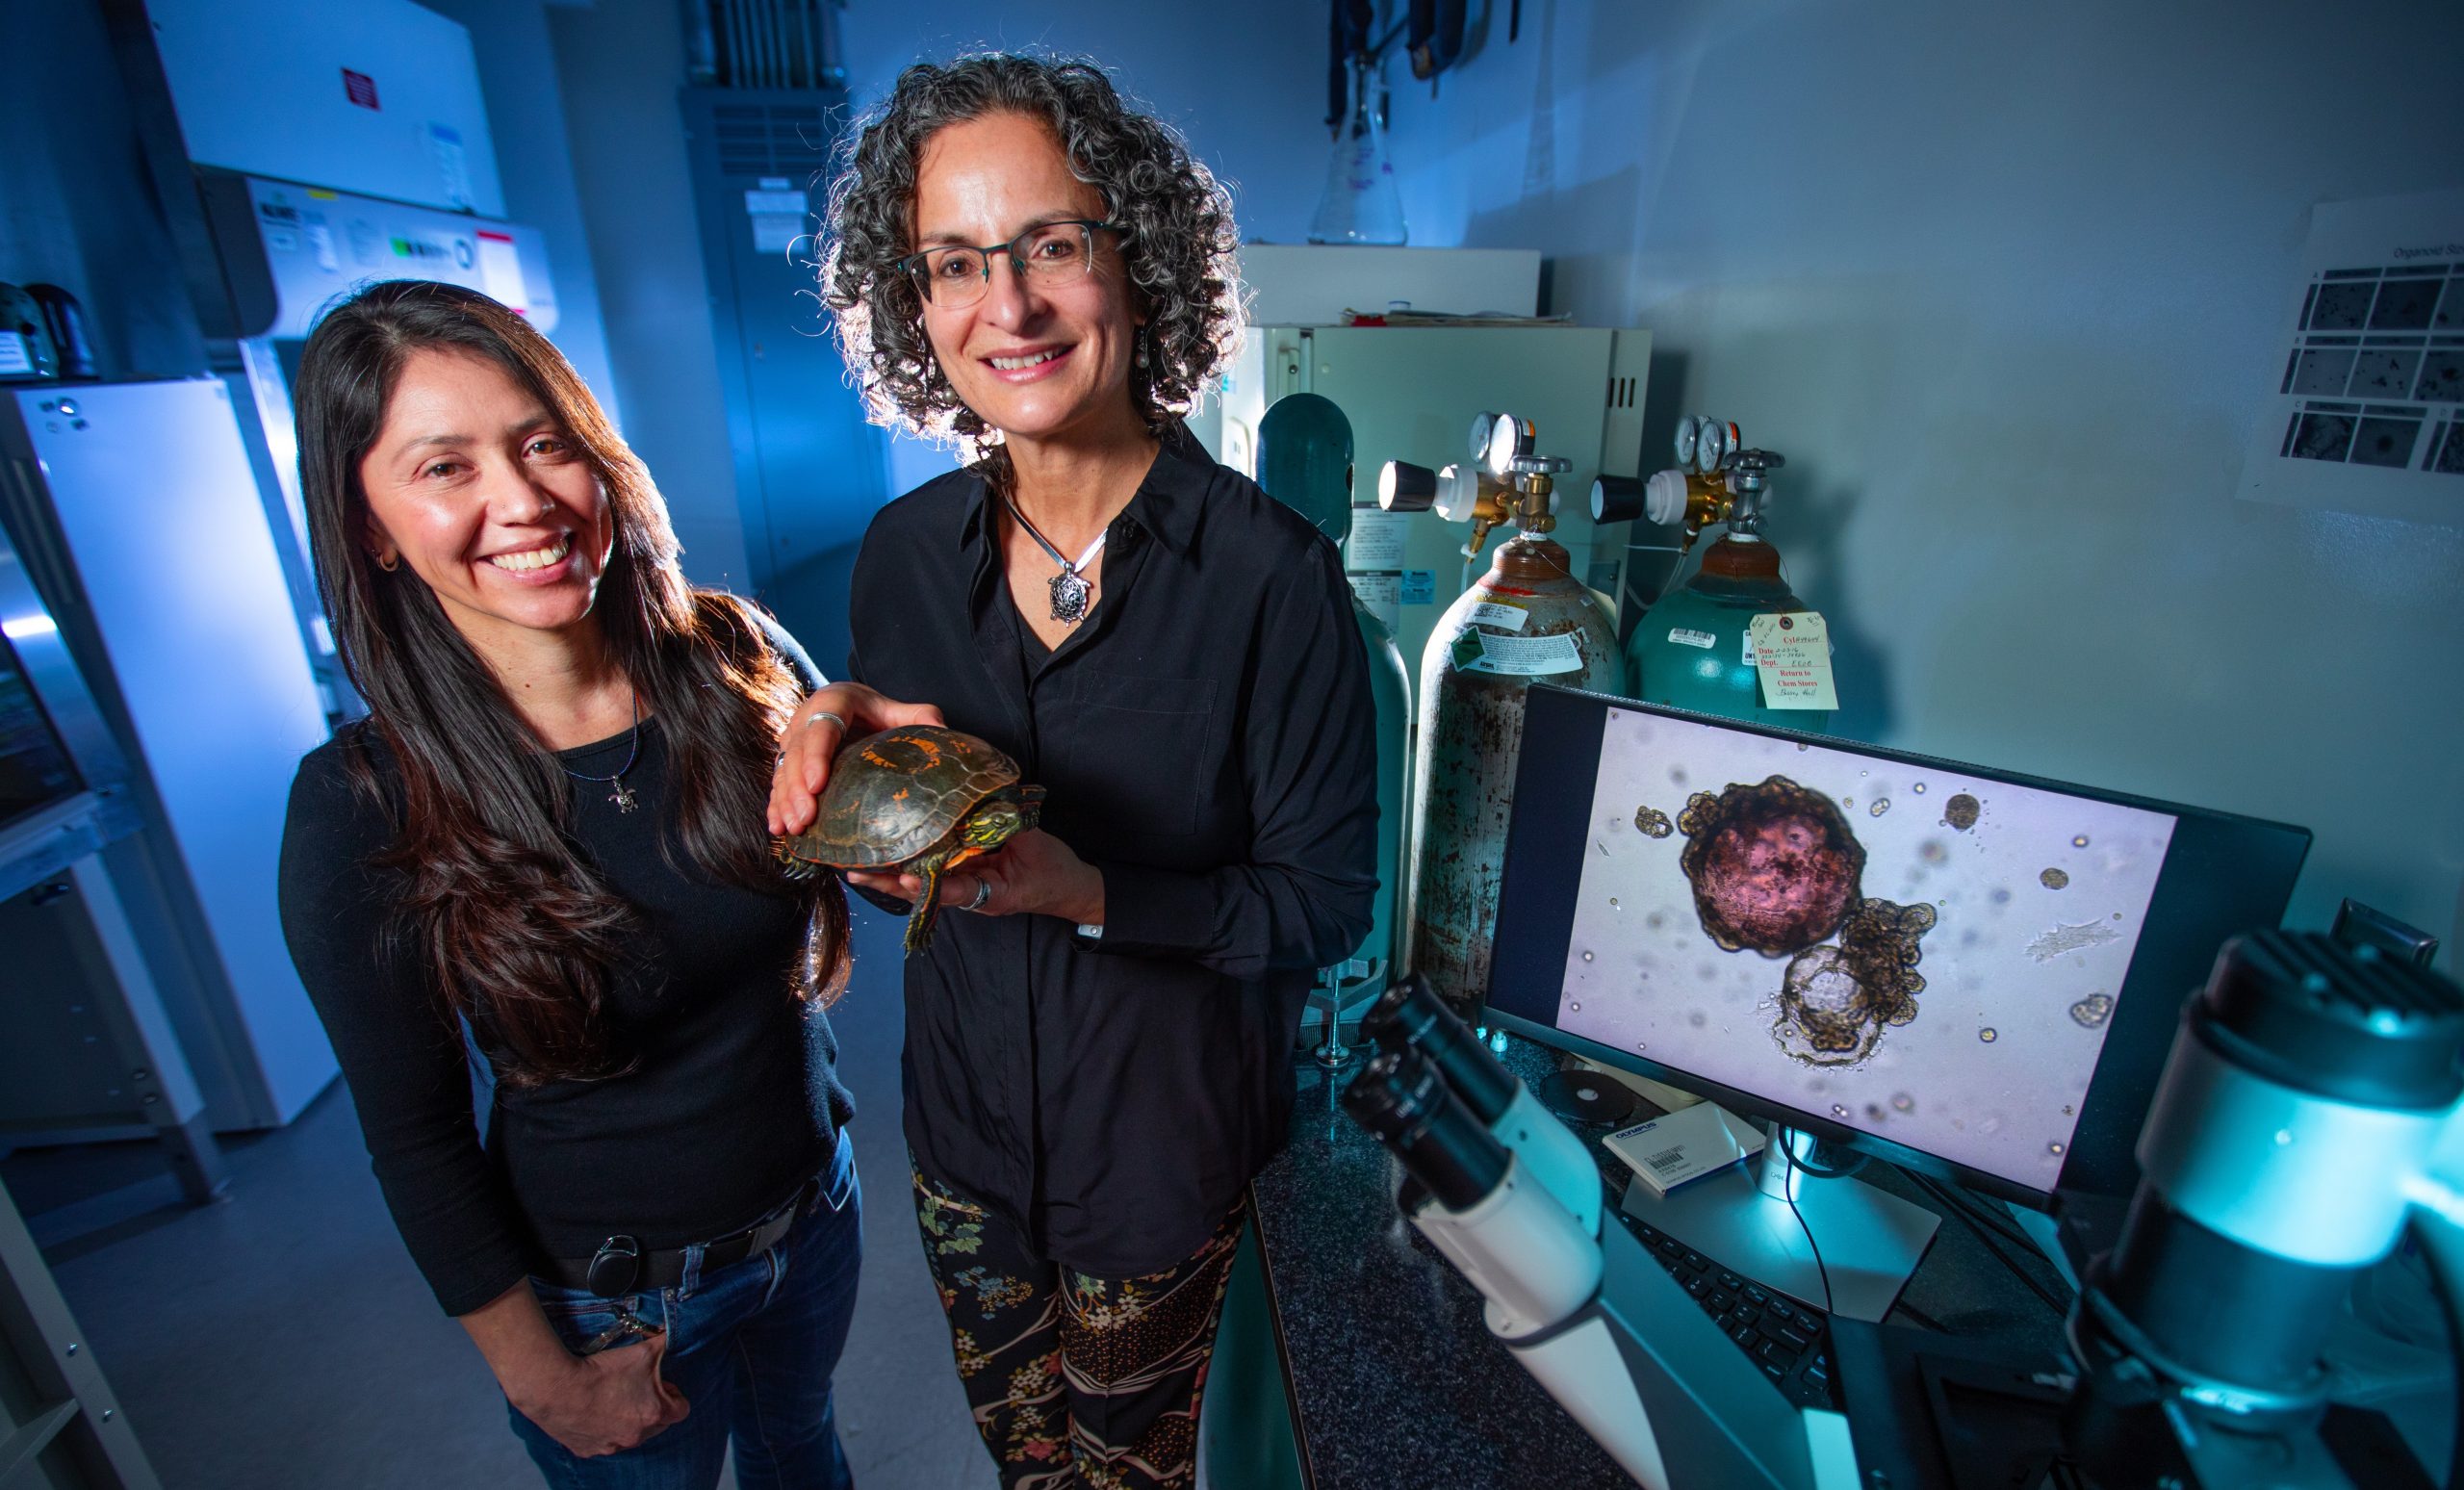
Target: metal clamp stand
(1332, 1054)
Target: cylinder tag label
(1525, 656)
(1510, 618)
(1687, 636)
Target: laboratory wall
(619, 65)
(1250, 95)
(2006, 285)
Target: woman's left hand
(811, 741)
(1033, 874)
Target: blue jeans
(750, 1346)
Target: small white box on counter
(1701, 1139)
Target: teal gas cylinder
(1690, 650)
(1304, 461)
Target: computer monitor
(1962, 970)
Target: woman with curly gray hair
(1098, 1058)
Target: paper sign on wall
(1376, 539)
(1381, 596)
(1793, 651)
(1419, 586)
(2366, 411)
(777, 212)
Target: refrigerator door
(139, 517)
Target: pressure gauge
(1509, 439)
(1689, 435)
(1710, 445)
(1482, 424)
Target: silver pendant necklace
(623, 795)
(1069, 588)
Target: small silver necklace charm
(1071, 590)
(1068, 597)
(622, 795)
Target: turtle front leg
(928, 904)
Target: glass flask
(1360, 204)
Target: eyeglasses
(1050, 254)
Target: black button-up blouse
(1207, 741)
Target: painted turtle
(920, 800)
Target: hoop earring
(387, 562)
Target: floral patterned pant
(1075, 1380)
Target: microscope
(2308, 1114)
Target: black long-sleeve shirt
(1206, 738)
(732, 1104)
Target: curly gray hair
(1178, 240)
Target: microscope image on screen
(1929, 959)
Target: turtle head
(1002, 816)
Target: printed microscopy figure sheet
(1930, 958)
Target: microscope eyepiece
(2303, 1009)
(1403, 1100)
(1411, 1017)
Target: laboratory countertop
(1395, 1381)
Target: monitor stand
(1740, 1218)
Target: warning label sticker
(1525, 656)
(1512, 618)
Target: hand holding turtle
(831, 716)
(1032, 874)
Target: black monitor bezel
(1561, 742)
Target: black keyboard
(1786, 1337)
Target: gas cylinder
(1304, 461)
(1526, 618)
(1693, 648)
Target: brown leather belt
(620, 1267)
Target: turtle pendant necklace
(1069, 587)
(623, 795)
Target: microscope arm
(1604, 1330)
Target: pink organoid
(1774, 866)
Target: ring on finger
(820, 714)
(983, 893)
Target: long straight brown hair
(522, 936)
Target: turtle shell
(897, 794)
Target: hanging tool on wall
(1435, 39)
(1348, 38)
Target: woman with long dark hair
(551, 830)
(1099, 1057)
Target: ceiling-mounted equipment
(762, 43)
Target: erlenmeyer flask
(1360, 204)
